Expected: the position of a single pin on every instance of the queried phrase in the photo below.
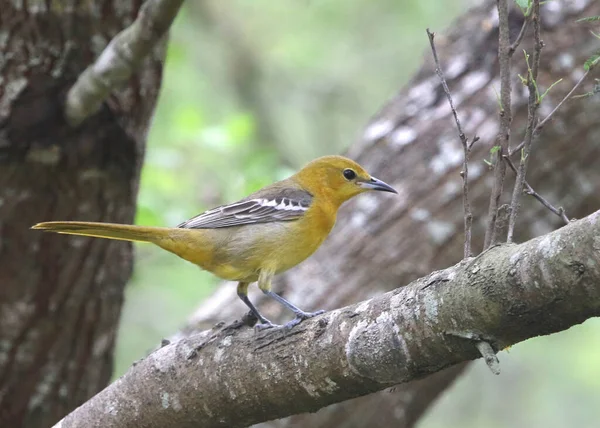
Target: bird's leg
(242, 292)
(300, 314)
(264, 283)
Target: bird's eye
(349, 174)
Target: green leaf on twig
(525, 6)
(594, 91)
(591, 62)
(548, 90)
(589, 19)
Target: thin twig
(468, 215)
(120, 59)
(519, 38)
(560, 212)
(483, 345)
(503, 137)
(532, 108)
(489, 356)
(541, 124)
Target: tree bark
(235, 376)
(412, 143)
(60, 298)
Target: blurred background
(255, 88)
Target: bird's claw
(307, 315)
(264, 325)
(301, 316)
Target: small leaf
(495, 150)
(594, 91)
(523, 5)
(591, 62)
(589, 19)
(548, 90)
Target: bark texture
(412, 143)
(60, 298)
(234, 377)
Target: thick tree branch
(121, 58)
(234, 377)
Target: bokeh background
(255, 88)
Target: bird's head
(339, 178)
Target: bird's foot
(265, 324)
(301, 316)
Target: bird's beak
(376, 184)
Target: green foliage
(591, 62)
(530, 78)
(594, 91)
(525, 6)
(589, 19)
(493, 155)
(526, 80)
(549, 88)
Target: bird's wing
(262, 207)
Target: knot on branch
(376, 350)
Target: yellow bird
(262, 235)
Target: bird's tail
(189, 244)
(122, 232)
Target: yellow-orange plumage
(262, 235)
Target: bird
(258, 237)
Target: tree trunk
(60, 298)
(412, 143)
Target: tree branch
(502, 143)
(120, 59)
(234, 377)
(543, 122)
(519, 39)
(468, 214)
(560, 211)
(532, 108)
